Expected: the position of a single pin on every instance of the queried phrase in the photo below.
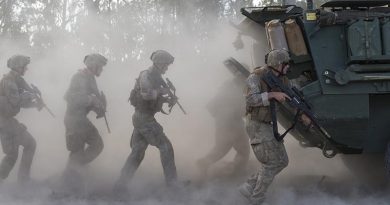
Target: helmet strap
(276, 70)
(92, 69)
(20, 71)
(159, 66)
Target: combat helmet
(277, 57)
(17, 62)
(95, 59)
(162, 57)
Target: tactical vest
(84, 83)
(146, 106)
(7, 110)
(261, 113)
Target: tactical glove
(97, 105)
(95, 102)
(99, 113)
(172, 101)
(163, 91)
(26, 99)
(39, 104)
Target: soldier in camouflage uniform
(270, 152)
(147, 97)
(15, 94)
(227, 109)
(82, 138)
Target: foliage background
(120, 29)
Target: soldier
(270, 152)
(227, 109)
(82, 138)
(15, 94)
(147, 97)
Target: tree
(119, 28)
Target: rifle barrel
(181, 108)
(49, 111)
(108, 127)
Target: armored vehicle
(340, 61)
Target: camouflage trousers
(12, 135)
(85, 144)
(226, 138)
(273, 158)
(82, 140)
(147, 131)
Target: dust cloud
(310, 178)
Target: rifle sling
(274, 120)
(280, 137)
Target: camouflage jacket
(14, 94)
(82, 86)
(148, 98)
(257, 102)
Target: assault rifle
(38, 96)
(296, 101)
(172, 94)
(103, 99)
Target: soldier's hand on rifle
(95, 101)
(279, 96)
(97, 105)
(99, 113)
(27, 97)
(163, 91)
(39, 104)
(172, 100)
(305, 120)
